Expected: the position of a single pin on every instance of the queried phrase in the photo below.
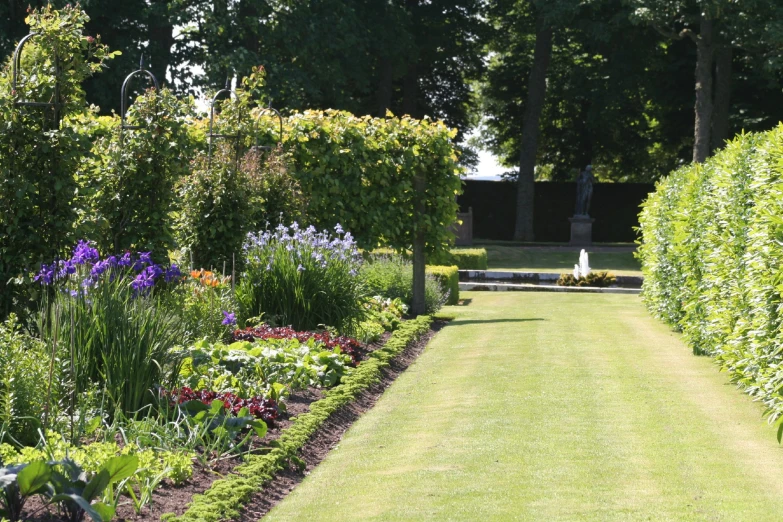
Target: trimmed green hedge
(448, 277)
(226, 497)
(469, 258)
(711, 250)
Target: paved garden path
(552, 407)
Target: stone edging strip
(523, 287)
(530, 277)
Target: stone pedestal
(581, 230)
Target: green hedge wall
(711, 250)
(359, 172)
(448, 277)
(469, 258)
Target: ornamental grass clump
(107, 319)
(302, 278)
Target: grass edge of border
(226, 496)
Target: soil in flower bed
(330, 434)
(174, 499)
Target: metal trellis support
(124, 95)
(16, 62)
(211, 136)
(263, 111)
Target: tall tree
(715, 27)
(541, 19)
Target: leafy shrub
(392, 277)
(711, 245)
(302, 278)
(106, 317)
(23, 383)
(38, 156)
(128, 181)
(213, 209)
(594, 279)
(275, 196)
(448, 277)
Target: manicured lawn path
(535, 406)
(522, 259)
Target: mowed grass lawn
(521, 259)
(536, 406)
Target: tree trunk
(704, 57)
(534, 105)
(386, 72)
(410, 92)
(722, 108)
(161, 40)
(418, 303)
(410, 83)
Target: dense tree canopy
(635, 87)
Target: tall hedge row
(712, 255)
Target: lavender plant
(107, 317)
(303, 278)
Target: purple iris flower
(229, 318)
(46, 275)
(172, 273)
(84, 253)
(125, 260)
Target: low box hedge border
(226, 497)
(469, 258)
(448, 277)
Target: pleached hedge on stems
(359, 172)
(711, 250)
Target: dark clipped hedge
(711, 251)
(615, 209)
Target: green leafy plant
(392, 276)
(253, 369)
(23, 383)
(20, 482)
(217, 431)
(77, 493)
